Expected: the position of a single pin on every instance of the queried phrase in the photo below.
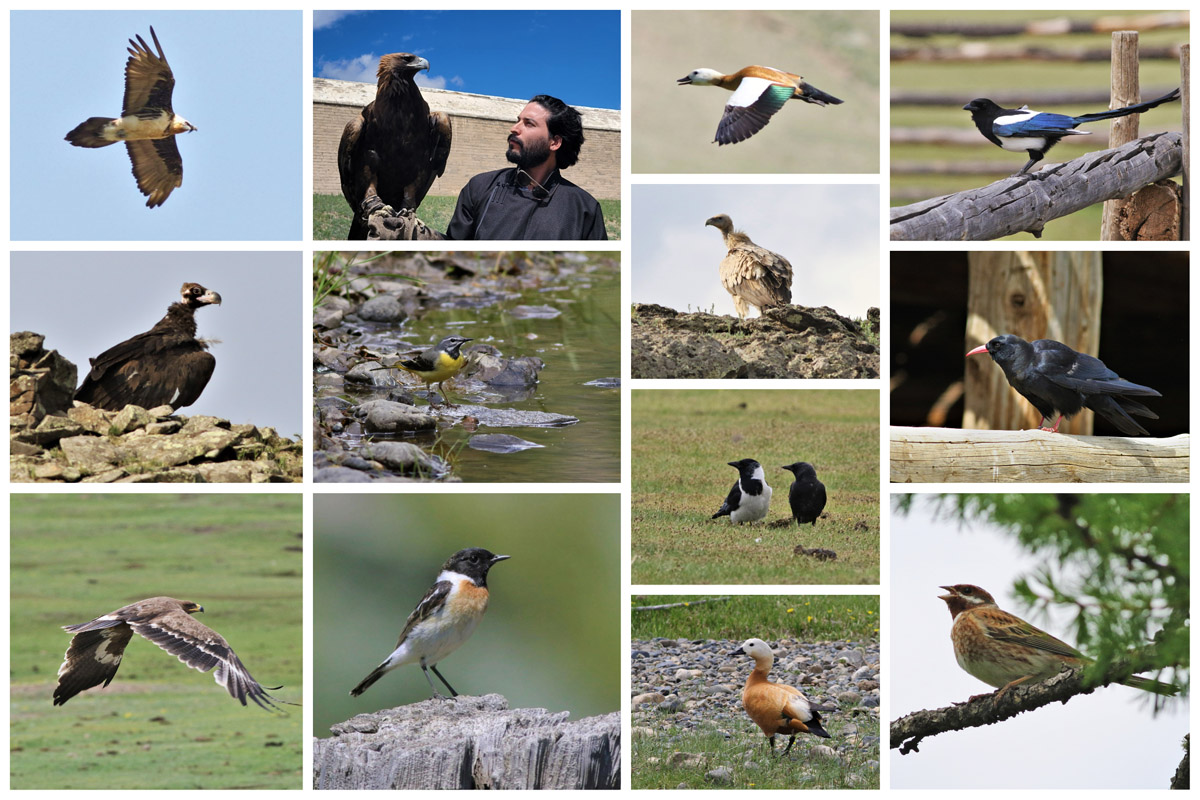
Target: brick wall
(480, 126)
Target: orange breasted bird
(1004, 651)
(758, 92)
(444, 619)
(776, 707)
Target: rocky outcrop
(52, 439)
(469, 743)
(785, 342)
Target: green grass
(331, 215)
(808, 618)
(682, 441)
(159, 725)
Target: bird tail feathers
(366, 682)
(89, 133)
(811, 94)
(1137, 108)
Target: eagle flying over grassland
(98, 646)
(147, 124)
(396, 147)
(753, 275)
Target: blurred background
(1143, 331)
(550, 638)
(674, 126)
(1049, 60)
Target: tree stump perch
(469, 743)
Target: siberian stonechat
(443, 620)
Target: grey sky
(830, 234)
(86, 302)
(1078, 745)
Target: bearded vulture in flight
(165, 366)
(753, 275)
(758, 92)
(147, 124)
(396, 147)
(95, 651)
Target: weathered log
(1028, 202)
(469, 743)
(947, 455)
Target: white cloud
(362, 68)
(426, 81)
(327, 19)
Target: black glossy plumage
(166, 365)
(807, 495)
(1060, 381)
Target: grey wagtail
(438, 364)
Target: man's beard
(530, 156)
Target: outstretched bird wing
(157, 166)
(750, 108)
(148, 78)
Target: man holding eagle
(391, 153)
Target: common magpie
(1035, 132)
(750, 495)
(807, 495)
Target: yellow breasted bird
(438, 364)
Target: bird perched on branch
(96, 650)
(758, 92)
(750, 496)
(1004, 651)
(753, 275)
(776, 707)
(396, 147)
(1060, 382)
(807, 495)
(165, 366)
(444, 619)
(1035, 132)
(147, 124)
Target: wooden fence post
(1185, 82)
(1055, 295)
(1125, 91)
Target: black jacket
(493, 206)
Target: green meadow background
(551, 636)
(682, 443)
(159, 724)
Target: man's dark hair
(566, 123)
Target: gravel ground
(681, 687)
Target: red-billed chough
(1059, 381)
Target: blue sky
(829, 234)
(101, 299)
(238, 79)
(572, 55)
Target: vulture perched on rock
(396, 147)
(753, 275)
(166, 365)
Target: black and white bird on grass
(750, 496)
(807, 495)
(1035, 132)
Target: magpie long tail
(1127, 110)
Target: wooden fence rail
(949, 455)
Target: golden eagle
(147, 124)
(96, 650)
(396, 147)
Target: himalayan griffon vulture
(753, 275)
